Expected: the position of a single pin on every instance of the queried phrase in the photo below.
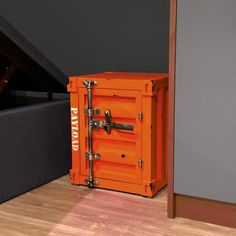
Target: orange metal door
(121, 150)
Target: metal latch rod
(90, 181)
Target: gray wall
(82, 37)
(205, 133)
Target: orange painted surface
(125, 95)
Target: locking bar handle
(108, 125)
(122, 126)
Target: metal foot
(91, 183)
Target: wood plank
(60, 208)
(171, 111)
(206, 210)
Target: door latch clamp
(92, 156)
(91, 111)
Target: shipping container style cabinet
(118, 123)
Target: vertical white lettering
(74, 129)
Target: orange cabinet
(119, 131)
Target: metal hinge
(140, 163)
(140, 116)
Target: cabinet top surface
(125, 76)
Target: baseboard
(206, 210)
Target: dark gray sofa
(34, 117)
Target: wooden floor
(61, 209)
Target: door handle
(108, 125)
